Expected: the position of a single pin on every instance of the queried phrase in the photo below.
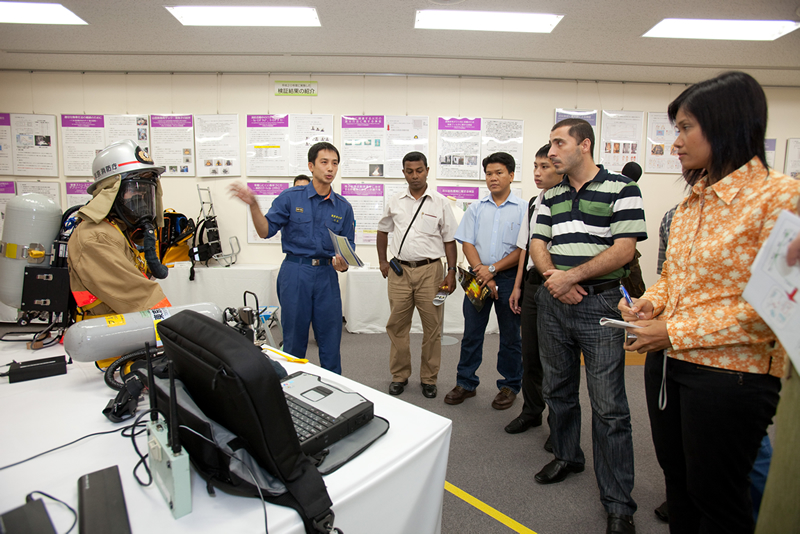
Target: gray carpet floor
(498, 468)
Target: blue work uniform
(308, 286)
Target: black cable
(142, 457)
(29, 498)
(62, 446)
(252, 476)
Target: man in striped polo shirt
(592, 220)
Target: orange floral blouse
(715, 236)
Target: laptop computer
(323, 412)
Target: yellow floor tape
(488, 510)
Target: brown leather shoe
(457, 395)
(504, 399)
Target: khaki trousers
(415, 288)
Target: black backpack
(226, 380)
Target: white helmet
(120, 158)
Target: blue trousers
(509, 357)
(566, 331)
(310, 294)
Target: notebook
(323, 412)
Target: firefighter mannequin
(106, 273)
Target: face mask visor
(136, 200)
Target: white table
(224, 286)
(366, 306)
(395, 486)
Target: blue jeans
(566, 331)
(509, 357)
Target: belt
(594, 289)
(308, 261)
(419, 263)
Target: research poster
(661, 154)
(82, 137)
(35, 150)
(172, 143)
(589, 115)
(267, 145)
(791, 164)
(304, 132)
(404, 134)
(6, 159)
(265, 192)
(621, 138)
(134, 127)
(770, 147)
(464, 196)
(51, 190)
(458, 148)
(7, 192)
(503, 135)
(217, 141)
(363, 146)
(367, 202)
(76, 193)
(483, 191)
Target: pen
(627, 297)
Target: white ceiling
(596, 40)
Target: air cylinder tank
(114, 335)
(30, 218)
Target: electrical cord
(29, 498)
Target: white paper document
(773, 286)
(342, 247)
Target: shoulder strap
(409, 224)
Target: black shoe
(620, 524)
(429, 391)
(521, 424)
(556, 471)
(548, 445)
(396, 388)
(662, 512)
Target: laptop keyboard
(308, 421)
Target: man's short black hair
(579, 130)
(543, 152)
(415, 156)
(300, 177)
(504, 158)
(315, 149)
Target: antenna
(172, 438)
(151, 384)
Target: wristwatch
(451, 268)
(492, 269)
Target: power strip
(170, 471)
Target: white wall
(532, 101)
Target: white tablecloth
(366, 306)
(395, 486)
(224, 286)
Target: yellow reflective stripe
(488, 510)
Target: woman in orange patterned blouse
(722, 362)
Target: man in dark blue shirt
(308, 286)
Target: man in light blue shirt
(488, 234)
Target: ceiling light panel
(490, 21)
(30, 13)
(727, 30)
(245, 16)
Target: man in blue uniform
(308, 286)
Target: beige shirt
(434, 226)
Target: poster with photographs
(464, 195)
(404, 134)
(217, 141)
(459, 148)
(266, 193)
(503, 135)
(267, 145)
(367, 202)
(661, 155)
(304, 132)
(589, 115)
(135, 127)
(51, 190)
(791, 165)
(76, 193)
(620, 139)
(6, 160)
(172, 144)
(83, 136)
(7, 192)
(363, 146)
(35, 145)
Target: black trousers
(532, 375)
(706, 441)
